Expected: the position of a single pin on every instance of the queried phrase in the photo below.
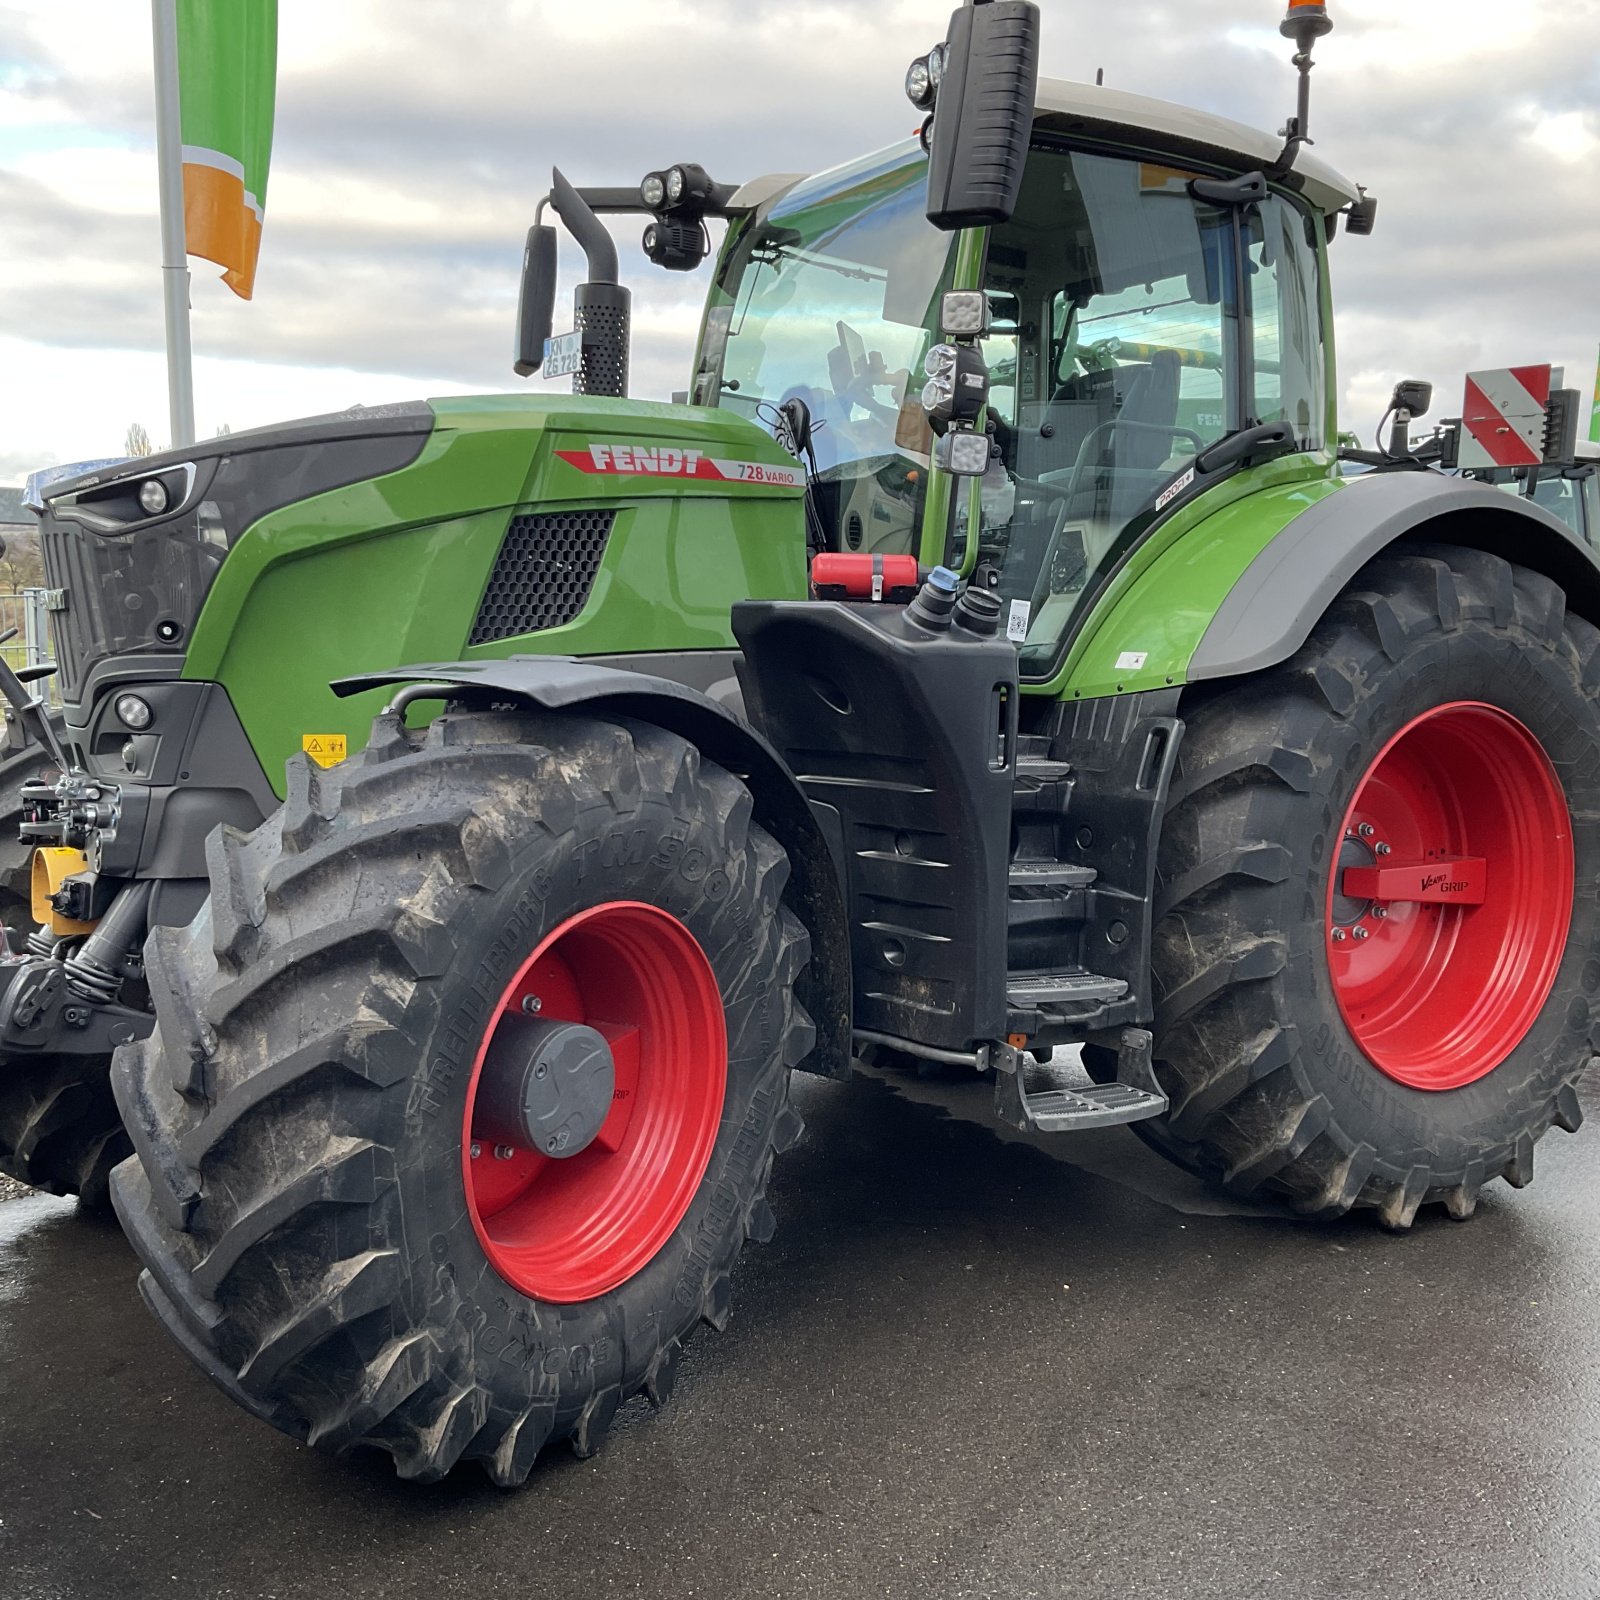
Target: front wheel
(465, 1093)
(1378, 940)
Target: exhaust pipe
(602, 307)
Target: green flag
(227, 84)
(1594, 416)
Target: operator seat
(1137, 454)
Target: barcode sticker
(1017, 622)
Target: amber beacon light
(1306, 20)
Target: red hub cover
(572, 1228)
(1450, 896)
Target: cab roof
(1180, 131)
(1086, 108)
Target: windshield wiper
(1250, 445)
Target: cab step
(1101, 1105)
(1035, 771)
(1080, 1105)
(1050, 875)
(1050, 989)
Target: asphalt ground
(970, 1364)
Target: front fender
(556, 683)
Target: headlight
(134, 713)
(677, 182)
(919, 84)
(153, 496)
(653, 191)
(938, 60)
(958, 384)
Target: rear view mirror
(983, 116)
(536, 304)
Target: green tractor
(992, 659)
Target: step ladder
(1056, 1107)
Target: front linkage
(72, 989)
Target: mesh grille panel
(543, 574)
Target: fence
(27, 614)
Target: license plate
(563, 356)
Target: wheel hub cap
(545, 1086)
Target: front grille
(130, 592)
(543, 574)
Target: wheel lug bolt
(477, 1149)
(1380, 849)
(532, 1004)
(503, 1152)
(1362, 933)
(1338, 936)
(1366, 830)
(541, 1071)
(1380, 912)
(551, 1146)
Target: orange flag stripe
(221, 225)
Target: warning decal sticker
(326, 749)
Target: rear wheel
(1375, 984)
(464, 1095)
(59, 1128)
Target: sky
(414, 138)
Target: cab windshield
(1133, 325)
(832, 299)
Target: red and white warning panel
(1503, 419)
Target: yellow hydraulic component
(52, 866)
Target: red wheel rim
(1450, 896)
(569, 1230)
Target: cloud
(414, 139)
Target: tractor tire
(1319, 1040)
(331, 1227)
(59, 1127)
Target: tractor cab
(1153, 296)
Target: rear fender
(563, 684)
(1282, 593)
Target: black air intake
(543, 574)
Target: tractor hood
(274, 562)
(158, 557)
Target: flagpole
(174, 257)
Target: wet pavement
(969, 1365)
